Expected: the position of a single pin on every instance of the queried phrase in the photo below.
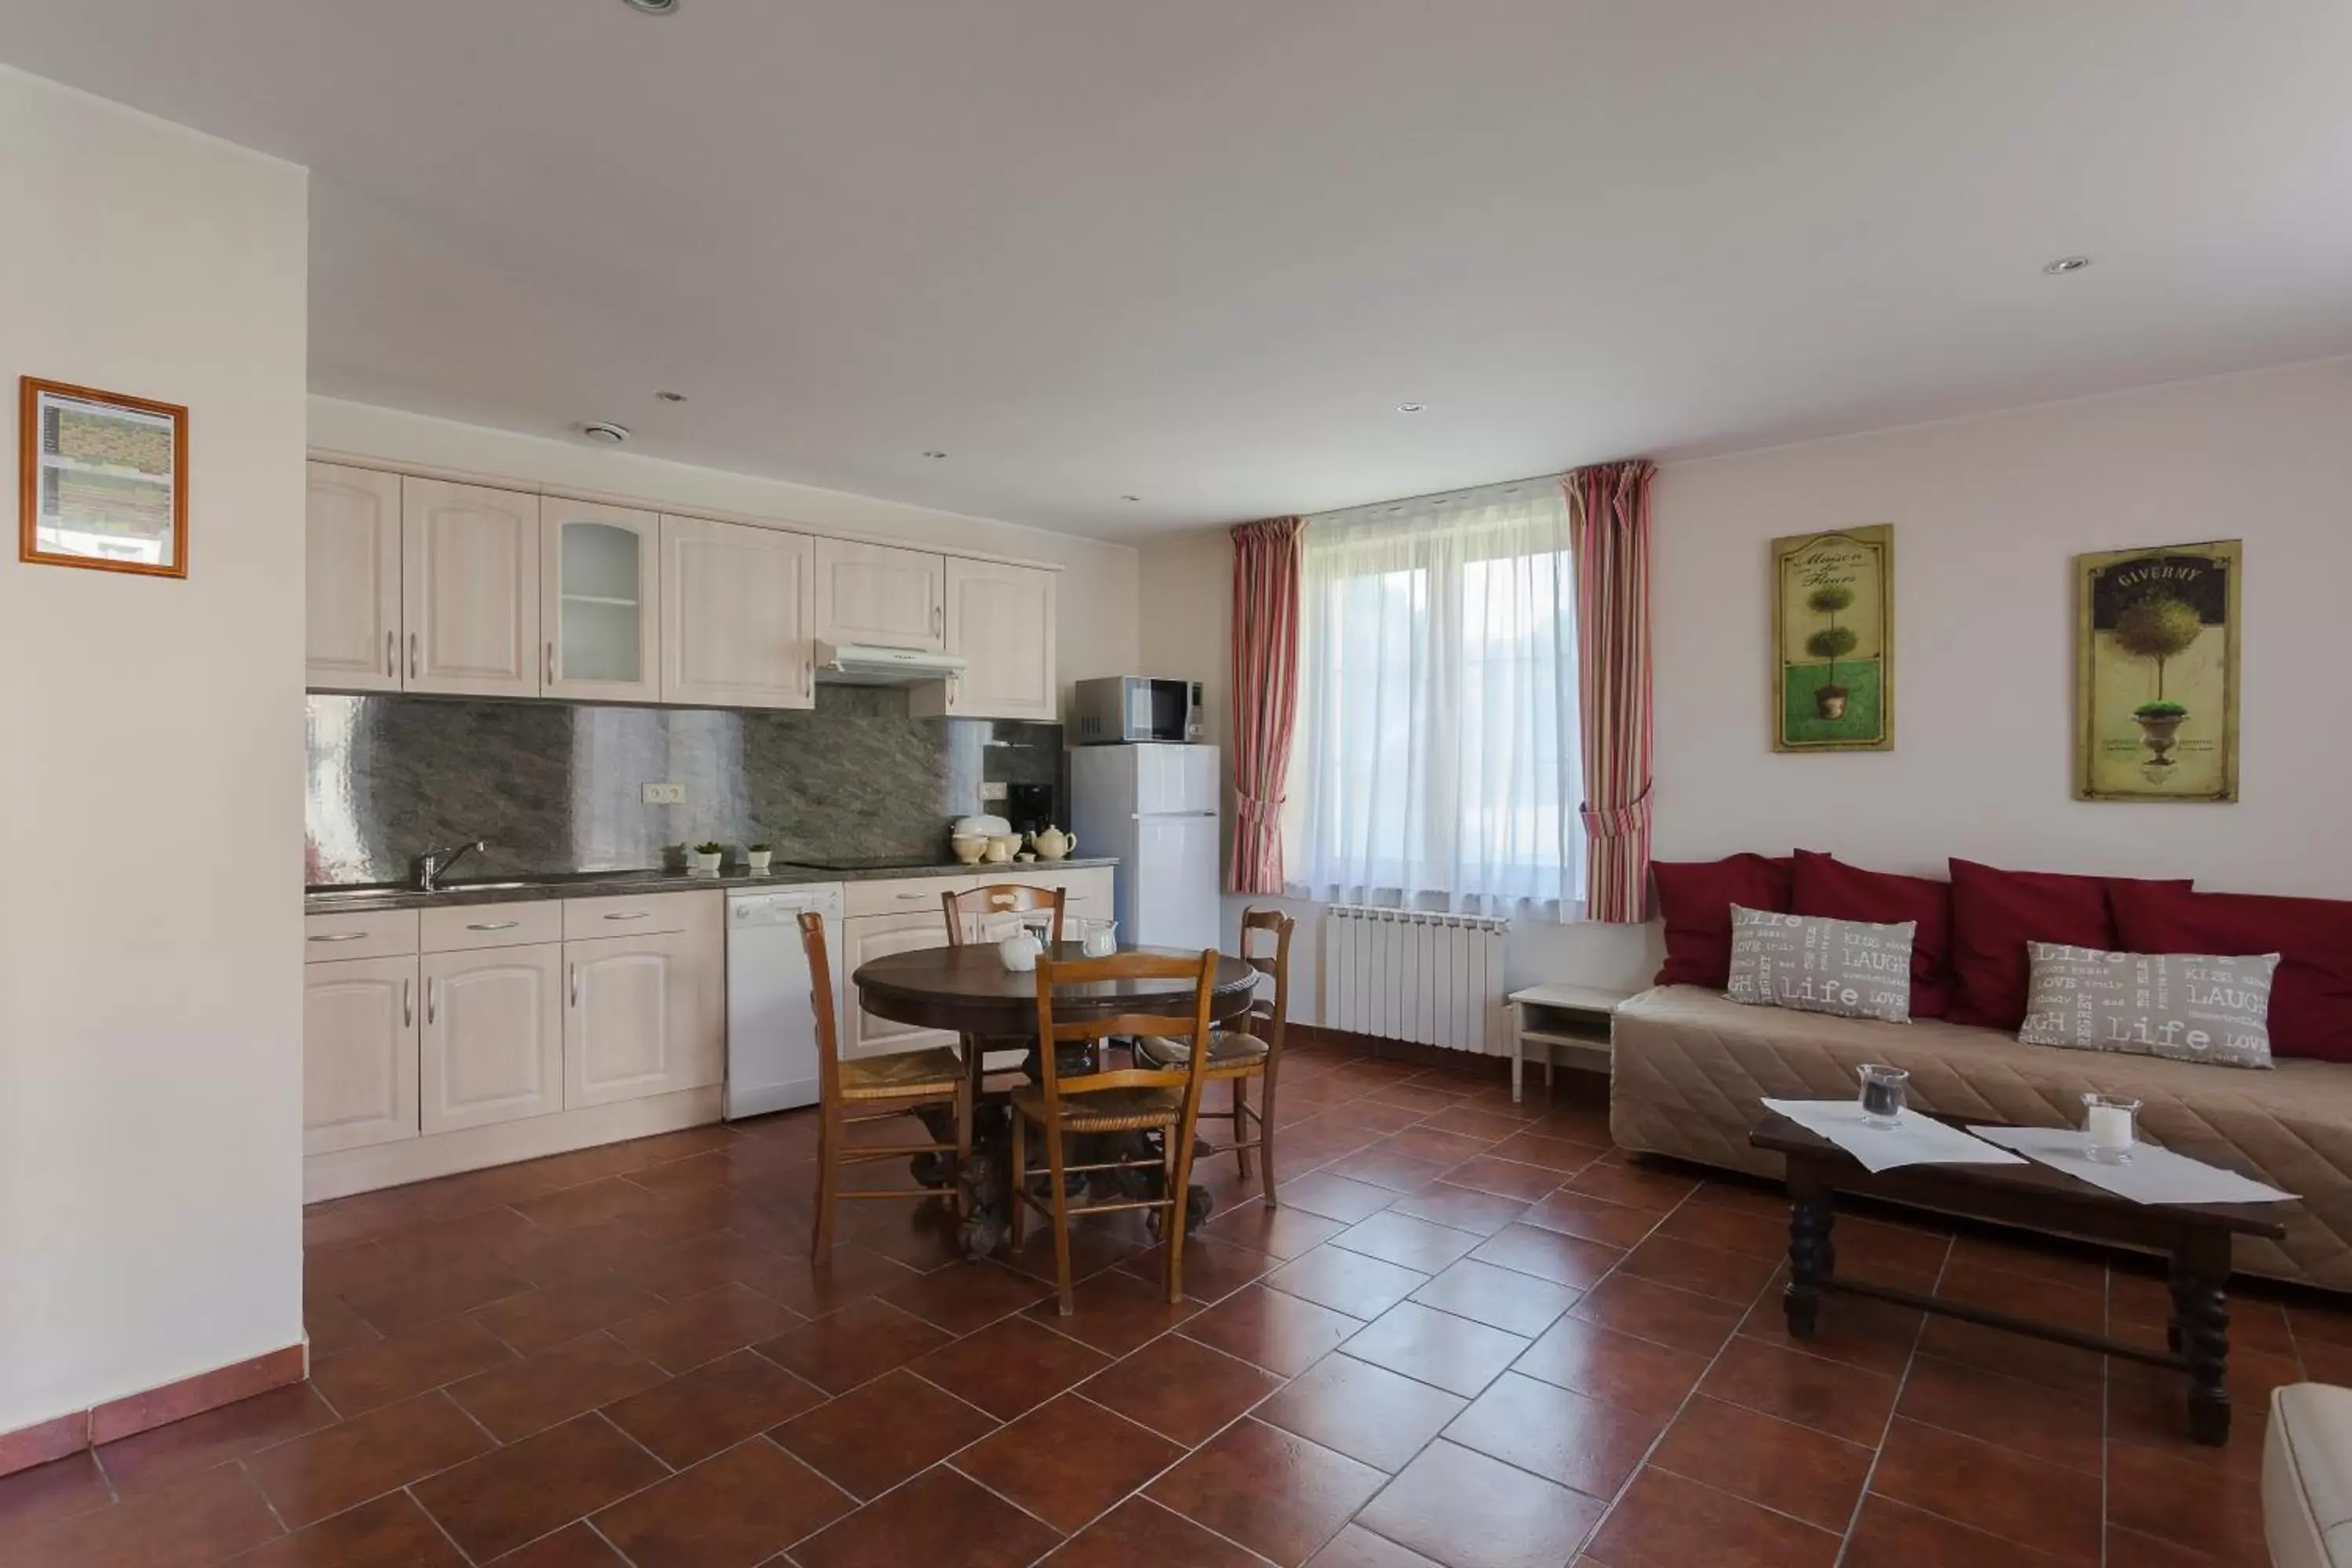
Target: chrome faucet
(427, 869)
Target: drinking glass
(1882, 1094)
(2110, 1126)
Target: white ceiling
(1197, 252)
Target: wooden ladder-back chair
(999, 899)
(1124, 1099)
(898, 1084)
(1252, 1048)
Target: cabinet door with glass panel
(599, 592)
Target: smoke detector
(653, 8)
(605, 433)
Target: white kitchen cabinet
(879, 595)
(358, 1053)
(351, 569)
(490, 1048)
(1001, 620)
(469, 589)
(738, 606)
(642, 1015)
(600, 603)
(865, 938)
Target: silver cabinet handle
(432, 1001)
(808, 682)
(575, 985)
(910, 898)
(939, 613)
(340, 936)
(391, 653)
(492, 925)
(407, 1004)
(411, 656)
(631, 915)
(551, 664)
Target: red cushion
(1696, 897)
(1826, 886)
(2311, 996)
(1995, 913)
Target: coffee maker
(1031, 807)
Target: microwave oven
(1125, 709)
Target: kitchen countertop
(600, 884)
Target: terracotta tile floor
(1474, 1335)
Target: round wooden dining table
(968, 990)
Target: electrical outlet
(991, 793)
(665, 795)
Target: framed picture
(1833, 640)
(2156, 673)
(104, 481)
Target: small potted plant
(760, 856)
(707, 857)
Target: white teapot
(1051, 843)
(1019, 952)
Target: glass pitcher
(1098, 939)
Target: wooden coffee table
(2196, 1238)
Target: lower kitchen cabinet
(491, 1046)
(358, 1053)
(642, 1015)
(865, 938)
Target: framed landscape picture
(103, 480)
(1833, 640)
(2156, 673)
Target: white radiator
(1402, 974)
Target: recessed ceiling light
(605, 432)
(653, 8)
(671, 396)
(2065, 264)
(1411, 407)
(935, 454)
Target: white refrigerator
(1155, 806)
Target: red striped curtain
(1608, 521)
(1266, 694)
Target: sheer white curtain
(1437, 757)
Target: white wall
(1098, 589)
(1987, 513)
(151, 802)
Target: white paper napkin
(2153, 1176)
(1914, 1140)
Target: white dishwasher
(771, 1033)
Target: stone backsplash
(557, 786)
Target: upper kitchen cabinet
(1001, 620)
(599, 603)
(737, 610)
(874, 593)
(469, 589)
(352, 571)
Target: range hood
(866, 664)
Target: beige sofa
(1689, 1067)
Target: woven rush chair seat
(1110, 1110)
(935, 1071)
(1233, 1048)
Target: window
(1436, 758)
